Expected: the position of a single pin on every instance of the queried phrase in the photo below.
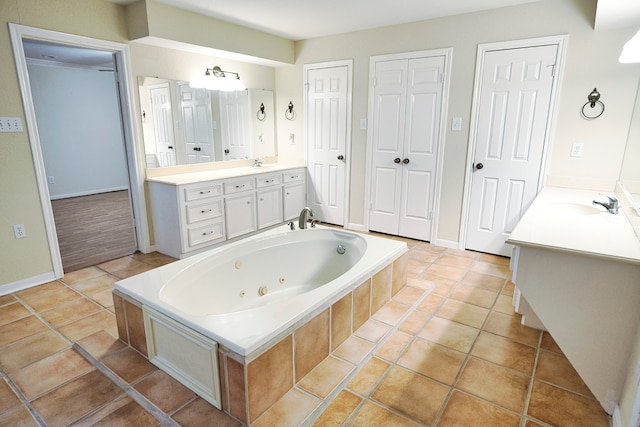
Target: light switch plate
(456, 124)
(576, 149)
(10, 124)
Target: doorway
(328, 138)
(407, 103)
(123, 94)
(515, 86)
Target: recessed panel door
(327, 115)
(512, 120)
(160, 95)
(197, 124)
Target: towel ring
(261, 114)
(593, 100)
(289, 113)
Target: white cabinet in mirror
(182, 125)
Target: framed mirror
(184, 125)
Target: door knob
(479, 166)
(340, 157)
(405, 161)
(397, 160)
(170, 147)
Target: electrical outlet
(19, 231)
(292, 138)
(52, 179)
(576, 149)
(10, 124)
(363, 124)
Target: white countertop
(565, 219)
(193, 177)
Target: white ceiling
(305, 19)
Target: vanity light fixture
(631, 50)
(217, 79)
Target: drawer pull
(206, 233)
(240, 186)
(205, 192)
(206, 210)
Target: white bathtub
(248, 294)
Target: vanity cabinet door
(269, 206)
(294, 199)
(240, 212)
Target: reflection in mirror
(184, 125)
(630, 173)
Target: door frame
(561, 42)
(133, 150)
(446, 75)
(347, 149)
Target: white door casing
(160, 101)
(328, 130)
(196, 123)
(408, 105)
(513, 108)
(134, 149)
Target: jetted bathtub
(249, 293)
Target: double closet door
(407, 109)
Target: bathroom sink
(575, 208)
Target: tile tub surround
(252, 384)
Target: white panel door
(327, 116)
(513, 111)
(160, 95)
(407, 112)
(236, 125)
(197, 124)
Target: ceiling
(304, 19)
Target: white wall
(80, 130)
(591, 62)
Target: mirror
(630, 172)
(182, 125)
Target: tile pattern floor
(448, 350)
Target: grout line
(23, 399)
(342, 385)
(130, 391)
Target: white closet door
(160, 98)
(406, 128)
(197, 124)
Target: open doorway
(78, 115)
(133, 154)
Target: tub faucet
(612, 206)
(305, 214)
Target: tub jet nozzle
(341, 249)
(262, 291)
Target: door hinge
(441, 78)
(553, 69)
(430, 216)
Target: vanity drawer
(293, 175)
(268, 180)
(206, 233)
(238, 185)
(202, 191)
(203, 211)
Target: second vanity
(576, 268)
(193, 212)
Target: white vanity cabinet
(240, 206)
(293, 192)
(187, 217)
(269, 199)
(193, 212)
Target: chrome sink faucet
(612, 206)
(257, 163)
(305, 215)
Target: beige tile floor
(448, 350)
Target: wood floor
(94, 229)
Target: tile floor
(448, 350)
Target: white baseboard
(356, 227)
(446, 243)
(87, 193)
(616, 419)
(27, 283)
